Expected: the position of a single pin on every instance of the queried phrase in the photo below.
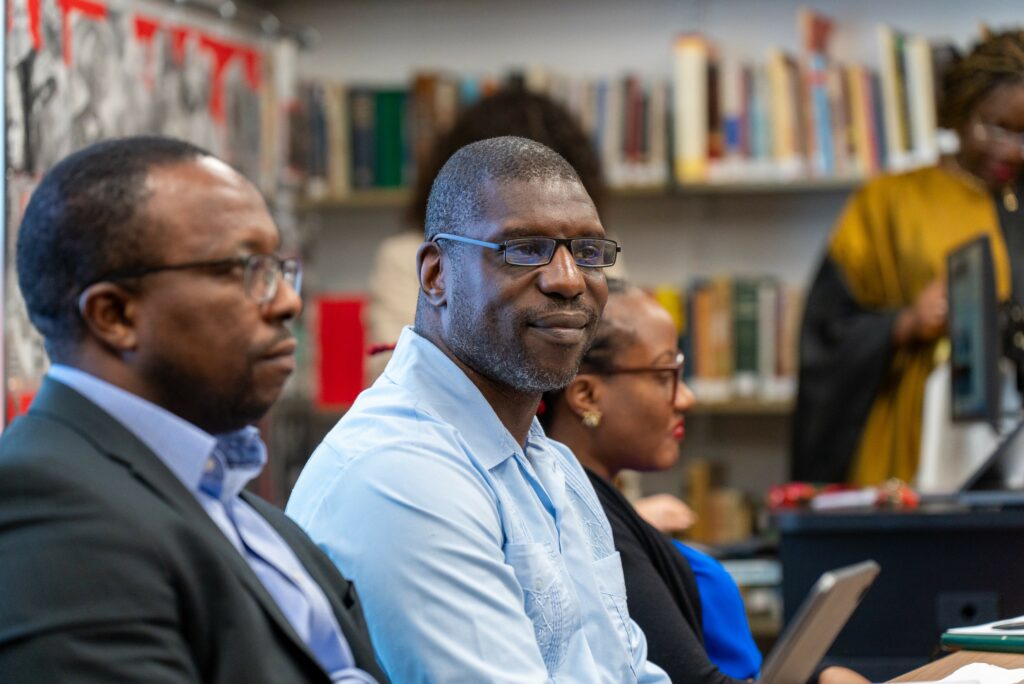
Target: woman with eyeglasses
(626, 409)
(876, 312)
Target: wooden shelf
(744, 407)
(376, 198)
(399, 197)
(808, 185)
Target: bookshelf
(670, 234)
(399, 197)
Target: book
(1002, 635)
(338, 143)
(746, 330)
(896, 116)
(921, 99)
(340, 352)
(390, 138)
(361, 102)
(691, 58)
(816, 29)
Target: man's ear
(109, 312)
(584, 393)
(430, 266)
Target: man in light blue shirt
(130, 552)
(479, 547)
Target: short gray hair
(457, 198)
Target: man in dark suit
(128, 550)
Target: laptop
(817, 623)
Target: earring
(591, 419)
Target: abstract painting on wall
(78, 71)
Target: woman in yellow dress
(877, 308)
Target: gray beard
(503, 360)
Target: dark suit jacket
(111, 571)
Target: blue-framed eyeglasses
(539, 251)
(263, 273)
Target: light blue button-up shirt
(215, 470)
(476, 560)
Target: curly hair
(996, 60)
(514, 112)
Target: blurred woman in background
(626, 409)
(877, 308)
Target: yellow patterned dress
(859, 409)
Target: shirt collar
(181, 446)
(439, 384)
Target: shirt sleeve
(420, 536)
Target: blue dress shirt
(476, 560)
(215, 469)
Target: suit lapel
(340, 593)
(60, 403)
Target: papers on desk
(983, 673)
(1001, 635)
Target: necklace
(1007, 194)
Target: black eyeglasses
(263, 273)
(676, 368)
(539, 251)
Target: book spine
(745, 336)
(362, 118)
(389, 137)
(690, 108)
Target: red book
(340, 348)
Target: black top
(844, 355)
(661, 592)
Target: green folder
(1004, 635)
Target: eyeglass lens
(263, 274)
(677, 377)
(997, 135)
(538, 251)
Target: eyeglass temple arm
(462, 238)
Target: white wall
(384, 39)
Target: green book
(745, 334)
(1004, 635)
(390, 138)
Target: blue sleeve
(727, 637)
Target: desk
(941, 568)
(953, 662)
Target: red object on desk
(341, 345)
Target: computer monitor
(999, 481)
(974, 333)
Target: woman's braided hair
(996, 60)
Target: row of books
(348, 138)
(739, 335)
(805, 115)
(717, 119)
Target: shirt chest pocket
(612, 585)
(547, 599)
